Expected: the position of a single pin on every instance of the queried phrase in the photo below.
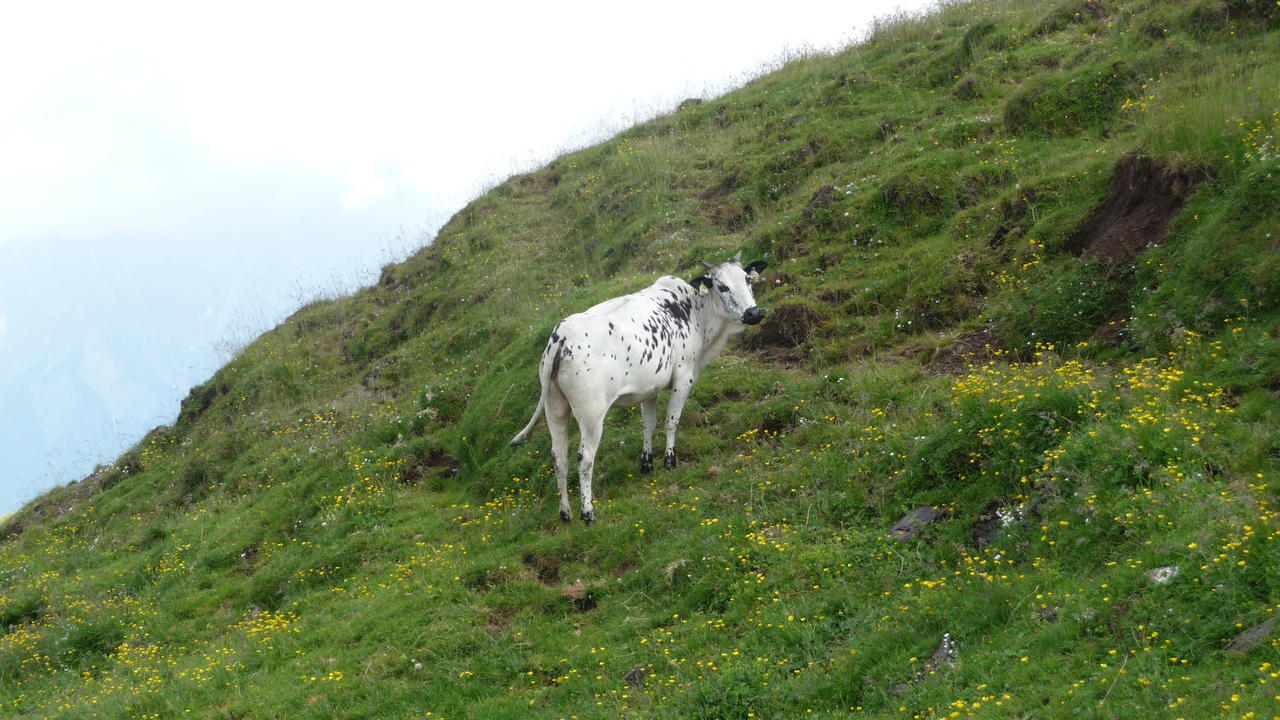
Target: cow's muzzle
(752, 316)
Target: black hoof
(670, 461)
(565, 516)
(588, 517)
(646, 463)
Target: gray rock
(635, 678)
(1254, 636)
(1163, 575)
(944, 655)
(913, 522)
(988, 525)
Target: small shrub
(19, 611)
(1063, 302)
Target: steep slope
(1023, 288)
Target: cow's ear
(754, 270)
(702, 284)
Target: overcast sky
(176, 178)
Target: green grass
(335, 527)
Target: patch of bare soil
(1142, 199)
(434, 463)
(581, 597)
(546, 567)
(974, 348)
(785, 331)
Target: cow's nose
(752, 316)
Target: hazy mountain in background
(78, 382)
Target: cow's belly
(632, 399)
(640, 384)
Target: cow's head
(731, 283)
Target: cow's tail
(546, 375)
(537, 413)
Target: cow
(626, 350)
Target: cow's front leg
(649, 411)
(675, 406)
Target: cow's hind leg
(649, 411)
(591, 427)
(558, 415)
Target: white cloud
(142, 113)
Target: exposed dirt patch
(1015, 220)
(1143, 197)
(382, 378)
(785, 328)
(1112, 332)
(725, 394)
(580, 596)
(487, 579)
(198, 401)
(434, 463)
(546, 567)
(974, 348)
(497, 620)
(623, 567)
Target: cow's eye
(722, 287)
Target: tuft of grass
(1214, 116)
(1086, 99)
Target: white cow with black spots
(626, 350)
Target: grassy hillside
(1024, 281)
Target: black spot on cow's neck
(678, 309)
